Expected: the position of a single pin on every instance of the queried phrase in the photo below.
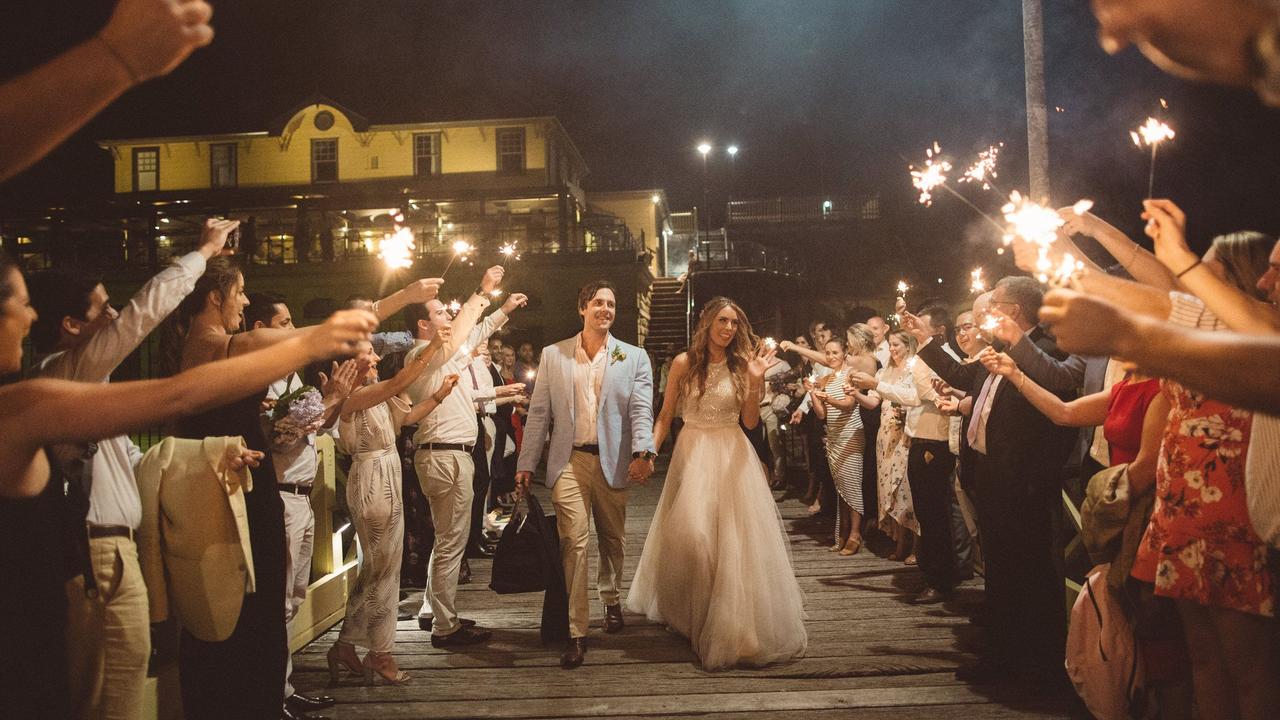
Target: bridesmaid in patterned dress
(897, 515)
(367, 431)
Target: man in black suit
(1019, 456)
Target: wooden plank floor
(871, 654)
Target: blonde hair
(1245, 258)
(860, 339)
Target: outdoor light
(704, 148)
(732, 150)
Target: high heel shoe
(853, 547)
(381, 668)
(342, 654)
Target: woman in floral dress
(897, 516)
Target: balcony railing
(804, 209)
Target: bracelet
(133, 76)
(1022, 380)
(1191, 267)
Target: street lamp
(705, 149)
(733, 167)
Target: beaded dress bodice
(718, 406)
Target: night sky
(822, 97)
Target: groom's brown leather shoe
(613, 621)
(574, 654)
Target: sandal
(381, 668)
(853, 547)
(911, 560)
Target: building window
(510, 150)
(426, 154)
(324, 160)
(222, 165)
(146, 169)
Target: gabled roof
(359, 122)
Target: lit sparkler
(1152, 133)
(903, 287)
(983, 170)
(396, 249)
(461, 248)
(1067, 271)
(932, 176)
(508, 251)
(530, 375)
(976, 283)
(454, 307)
(770, 343)
(1038, 225)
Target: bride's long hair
(737, 354)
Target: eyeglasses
(1001, 302)
(966, 328)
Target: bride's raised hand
(762, 361)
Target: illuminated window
(146, 169)
(324, 160)
(426, 154)
(222, 165)
(510, 150)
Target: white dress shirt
(924, 420)
(295, 463)
(454, 421)
(113, 499)
(481, 381)
(882, 353)
(588, 375)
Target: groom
(596, 393)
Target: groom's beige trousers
(579, 494)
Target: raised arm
(143, 39)
(814, 355)
(1136, 260)
(372, 395)
(1237, 369)
(1086, 411)
(1241, 312)
(39, 412)
(1047, 370)
(418, 291)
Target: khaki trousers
(446, 477)
(580, 494)
(109, 637)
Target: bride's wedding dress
(715, 565)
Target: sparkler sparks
(461, 248)
(396, 249)
(1038, 225)
(903, 287)
(1152, 133)
(509, 251)
(932, 176)
(1068, 269)
(530, 374)
(983, 170)
(976, 283)
(454, 307)
(770, 343)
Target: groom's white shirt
(624, 409)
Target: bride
(715, 566)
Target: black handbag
(528, 552)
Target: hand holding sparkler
(492, 278)
(997, 363)
(1167, 226)
(914, 325)
(514, 301)
(862, 380)
(422, 291)
(1000, 326)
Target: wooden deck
(871, 654)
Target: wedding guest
(444, 441)
(880, 329)
(370, 420)
(845, 441)
(83, 338)
(897, 514)
(41, 412)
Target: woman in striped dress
(845, 444)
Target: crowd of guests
(1171, 393)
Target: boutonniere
(617, 354)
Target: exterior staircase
(667, 313)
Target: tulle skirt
(715, 566)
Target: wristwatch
(645, 455)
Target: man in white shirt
(594, 399)
(880, 329)
(488, 396)
(445, 439)
(108, 630)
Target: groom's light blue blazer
(624, 422)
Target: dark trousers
(962, 541)
(929, 467)
(243, 676)
(1025, 591)
(480, 485)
